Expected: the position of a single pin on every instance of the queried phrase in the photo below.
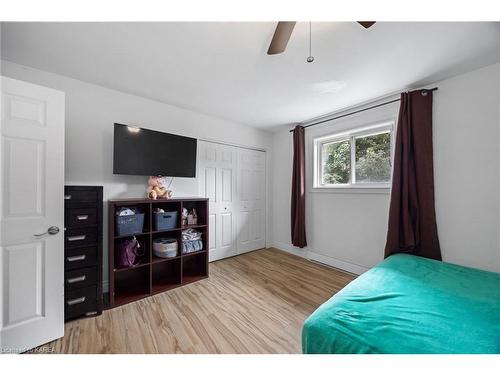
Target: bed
(410, 304)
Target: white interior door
(31, 202)
(217, 174)
(251, 224)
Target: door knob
(52, 231)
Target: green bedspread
(409, 304)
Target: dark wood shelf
(191, 279)
(132, 235)
(194, 267)
(131, 268)
(125, 201)
(155, 274)
(166, 230)
(163, 287)
(194, 253)
(161, 260)
(194, 226)
(124, 298)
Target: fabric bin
(165, 247)
(129, 224)
(191, 246)
(165, 220)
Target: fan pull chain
(310, 59)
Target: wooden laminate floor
(252, 303)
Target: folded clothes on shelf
(191, 246)
(190, 234)
(191, 241)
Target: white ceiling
(222, 69)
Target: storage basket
(129, 224)
(165, 220)
(165, 247)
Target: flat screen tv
(145, 152)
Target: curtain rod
(362, 110)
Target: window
(360, 158)
(336, 162)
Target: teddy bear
(157, 188)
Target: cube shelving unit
(153, 274)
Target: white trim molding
(337, 263)
(309, 254)
(303, 253)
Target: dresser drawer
(75, 197)
(80, 278)
(80, 237)
(80, 302)
(80, 257)
(81, 217)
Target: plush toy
(157, 188)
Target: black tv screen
(145, 152)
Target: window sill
(352, 190)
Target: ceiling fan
(284, 31)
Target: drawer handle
(76, 301)
(76, 258)
(67, 197)
(82, 217)
(76, 279)
(77, 238)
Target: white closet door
(251, 225)
(32, 215)
(217, 174)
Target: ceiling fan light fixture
(284, 30)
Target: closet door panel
(217, 166)
(234, 180)
(227, 185)
(244, 227)
(252, 203)
(210, 183)
(227, 229)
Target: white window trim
(382, 188)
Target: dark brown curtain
(298, 208)
(412, 218)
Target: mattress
(410, 304)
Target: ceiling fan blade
(366, 24)
(281, 37)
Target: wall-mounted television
(145, 152)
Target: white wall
(90, 113)
(467, 168)
(348, 229)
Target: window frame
(351, 135)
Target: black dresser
(82, 251)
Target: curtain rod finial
(426, 91)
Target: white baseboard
(340, 264)
(326, 260)
(303, 253)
